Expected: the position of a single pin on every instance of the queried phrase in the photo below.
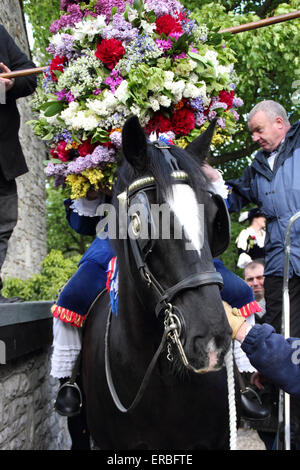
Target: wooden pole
(23, 73)
(233, 30)
(261, 23)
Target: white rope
(231, 399)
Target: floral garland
(114, 58)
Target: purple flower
(197, 105)
(120, 29)
(103, 7)
(116, 139)
(237, 102)
(75, 15)
(180, 56)
(65, 3)
(114, 80)
(176, 35)
(65, 135)
(164, 7)
(221, 123)
(235, 114)
(164, 44)
(63, 95)
(55, 170)
(200, 119)
(102, 154)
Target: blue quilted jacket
(277, 194)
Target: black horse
(170, 311)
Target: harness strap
(147, 375)
(195, 280)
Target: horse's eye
(136, 224)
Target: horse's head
(169, 241)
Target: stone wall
(27, 391)
(27, 394)
(27, 246)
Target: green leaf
(54, 108)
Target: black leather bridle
(164, 296)
(173, 319)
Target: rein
(167, 331)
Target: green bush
(55, 272)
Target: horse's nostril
(219, 341)
(198, 344)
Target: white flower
(148, 27)
(121, 92)
(154, 103)
(193, 64)
(135, 109)
(191, 91)
(132, 14)
(89, 27)
(177, 89)
(56, 40)
(164, 100)
(68, 113)
(212, 57)
(84, 120)
(169, 77)
(223, 69)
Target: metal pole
(284, 398)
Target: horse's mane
(159, 168)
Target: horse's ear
(199, 148)
(134, 144)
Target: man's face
(255, 279)
(266, 133)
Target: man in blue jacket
(272, 182)
(12, 160)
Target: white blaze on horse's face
(184, 204)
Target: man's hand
(212, 174)
(258, 380)
(8, 82)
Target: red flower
(110, 51)
(86, 148)
(226, 97)
(60, 151)
(56, 64)
(183, 121)
(167, 24)
(159, 124)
